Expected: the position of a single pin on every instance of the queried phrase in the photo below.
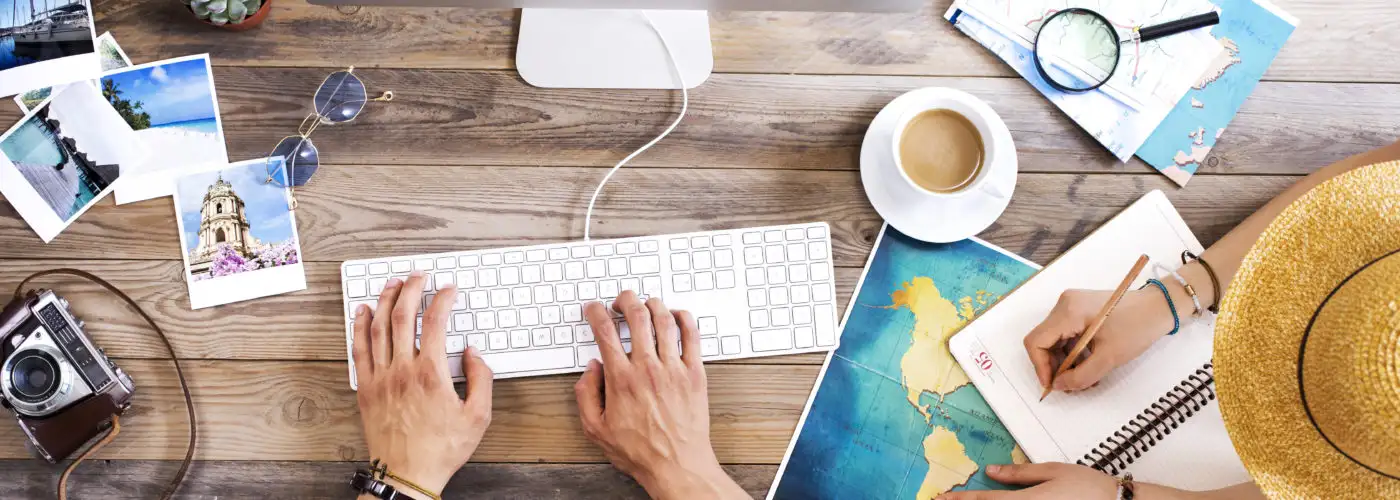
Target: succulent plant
(224, 11)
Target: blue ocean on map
(1257, 34)
(862, 438)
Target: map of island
(893, 415)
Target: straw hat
(1307, 346)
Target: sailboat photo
(39, 30)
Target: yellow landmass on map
(928, 366)
(953, 467)
(1018, 456)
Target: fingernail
(993, 469)
(362, 310)
(472, 351)
(393, 282)
(416, 274)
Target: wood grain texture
(145, 479)
(276, 410)
(1334, 43)
(352, 212)
(748, 122)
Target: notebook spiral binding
(1127, 444)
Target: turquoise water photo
(202, 125)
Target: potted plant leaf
(235, 15)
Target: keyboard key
(491, 259)
(709, 347)
(459, 303)
(510, 276)
(462, 322)
(816, 250)
(623, 331)
(627, 248)
(536, 255)
(794, 234)
(778, 296)
(617, 266)
(633, 284)
(678, 244)
(519, 339)
(486, 320)
(564, 292)
(723, 240)
(821, 293)
(752, 238)
(773, 254)
(816, 232)
(753, 256)
(515, 257)
(597, 269)
(550, 315)
(500, 297)
(530, 274)
(796, 252)
(379, 268)
(445, 263)
(824, 317)
(730, 344)
(487, 278)
(542, 336)
(507, 318)
(602, 250)
(701, 259)
(708, 325)
(573, 313)
(753, 276)
(563, 335)
(648, 246)
(558, 253)
(466, 279)
(799, 294)
(821, 271)
(772, 236)
(681, 282)
(680, 262)
(520, 296)
(427, 300)
(499, 341)
(801, 315)
(477, 340)
(556, 358)
(354, 270)
(478, 299)
(646, 264)
(724, 257)
(553, 271)
(757, 298)
(455, 343)
(376, 285)
(780, 316)
(607, 289)
(724, 279)
(797, 273)
(771, 340)
(441, 280)
(651, 286)
(573, 271)
(777, 275)
(469, 261)
(580, 252)
(588, 290)
(758, 319)
(804, 337)
(423, 264)
(529, 316)
(357, 288)
(587, 353)
(427, 282)
(544, 294)
(401, 266)
(704, 281)
(583, 333)
(699, 242)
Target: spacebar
(524, 361)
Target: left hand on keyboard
(414, 421)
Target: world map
(894, 416)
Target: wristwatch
(365, 482)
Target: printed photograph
(45, 43)
(112, 58)
(233, 221)
(173, 109)
(68, 152)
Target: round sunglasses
(340, 99)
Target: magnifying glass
(1077, 50)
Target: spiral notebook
(1156, 416)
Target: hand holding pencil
(1138, 320)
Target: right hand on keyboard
(414, 421)
(649, 410)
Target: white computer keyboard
(761, 291)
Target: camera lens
(34, 376)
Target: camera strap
(116, 424)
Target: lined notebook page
(1067, 426)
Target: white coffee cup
(981, 116)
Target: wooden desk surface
(469, 156)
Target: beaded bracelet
(1190, 290)
(1176, 320)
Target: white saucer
(921, 216)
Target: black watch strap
(365, 482)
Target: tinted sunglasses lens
(341, 98)
(301, 160)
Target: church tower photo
(222, 221)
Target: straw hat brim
(1313, 245)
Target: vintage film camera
(62, 389)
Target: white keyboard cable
(685, 105)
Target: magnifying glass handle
(1150, 33)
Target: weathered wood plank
(749, 122)
(1326, 47)
(352, 212)
(275, 410)
(145, 479)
